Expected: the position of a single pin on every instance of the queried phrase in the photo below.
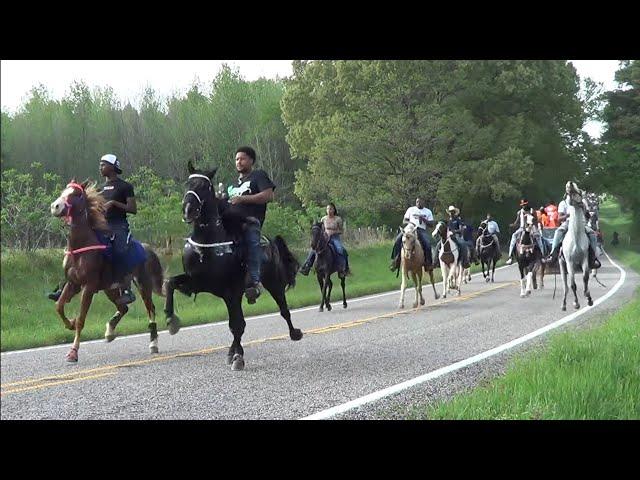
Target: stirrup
(253, 292)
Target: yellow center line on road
(109, 370)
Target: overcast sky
(129, 78)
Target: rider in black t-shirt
(249, 197)
(120, 201)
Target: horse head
(440, 230)
(574, 195)
(199, 201)
(319, 238)
(409, 238)
(72, 201)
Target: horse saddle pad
(134, 256)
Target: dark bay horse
(86, 268)
(488, 254)
(213, 262)
(326, 265)
(529, 258)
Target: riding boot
(395, 263)
(55, 295)
(593, 260)
(305, 269)
(127, 295)
(253, 292)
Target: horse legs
(67, 294)
(574, 289)
(433, 284)
(327, 301)
(486, 277)
(529, 282)
(145, 289)
(87, 297)
(418, 285)
(564, 273)
(493, 270)
(522, 281)
(585, 278)
(277, 292)
(173, 322)
(113, 295)
(445, 278)
(543, 267)
(322, 281)
(344, 294)
(403, 285)
(235, 356)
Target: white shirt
(492, 227)
(412, 215)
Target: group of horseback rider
(248, 197)
(254, 189)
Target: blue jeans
(562, 231)
(254, 253)
(463, 248)
(120, 243)
(343, 256)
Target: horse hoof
(422, 301)
(522, 295)
(415, 305)
(589, 301)
(437, 296)
(72, 356)
(295, 334)
(487, 279)
(528, 292)
(564, 308)
(230, 358)
(321, 309)
(174, 324)
(238, 362)
(153, 349)
(110, 338)
(329, 307)
(576, 306)
(344, 305)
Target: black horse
(213, 262)
(488, 253)
(326, 265)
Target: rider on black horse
(120, 201)
(249, 198)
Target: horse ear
(190, 168)
(85, 183)
(211, 173)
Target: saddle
(134, 256)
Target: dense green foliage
(477, 134)
(69, 136)
(616, 165)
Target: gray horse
(575, 246)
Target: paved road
(344, 355)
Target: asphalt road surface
(350, 359)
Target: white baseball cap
(113, 160)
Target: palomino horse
(412, 262)
(326, 266)
(213, 263)
(488, 253)
(529, 257)
(86, 268)
(575, 246)
(449, 257)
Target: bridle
(195, 194)
(324, 236)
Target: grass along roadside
(29, 318)
(593, 374)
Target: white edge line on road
(372, 397)
(213, 324)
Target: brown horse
(86, 268)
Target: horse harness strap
(220, 248)
(84, 249)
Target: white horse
(411, 262)
(449, 257)
(575, 246)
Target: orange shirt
(552, 216)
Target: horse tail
(289, 265)
(154, 270)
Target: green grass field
(593, 374)
(29, 318)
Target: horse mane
(95, 208)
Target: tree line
(367, 135)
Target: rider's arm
(129, 207)
(265, 196)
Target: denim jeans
(254, 253)
(424, 241)
(120, 243)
